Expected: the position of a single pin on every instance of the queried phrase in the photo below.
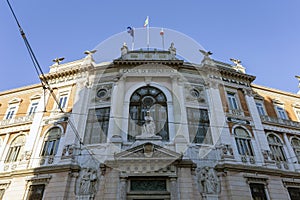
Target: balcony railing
(16, 120)
(279, 121)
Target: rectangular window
(198, 125)
(10, 113)
(281, 112)
(63, 101)
(148, 185)
(13, 154)
(244, 146)
(97, 126)
(36, 192)
(233, 105)
(260, 109)
(294, 193)
(33, 108)
(258, 191)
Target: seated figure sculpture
(148, 129)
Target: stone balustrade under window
(278, 121)
(16, 121)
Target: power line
(40, 73)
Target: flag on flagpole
(130, 31)
(146, 22)
(161, 32)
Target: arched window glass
(51, 142)
(276, 148)
(243, 141)
(296, 146)
(16, 149)
(145, 99)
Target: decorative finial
(238, 67)
(90, 52)
(58, 60)
(236, 61)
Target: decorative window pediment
(15, 101)
(277, 101)
(35, 97)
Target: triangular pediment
(144, 159)
(147, 151)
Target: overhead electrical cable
(42, 77)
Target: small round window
(195, 93)
(102, 93)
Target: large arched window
(243, 141)
(51, 142)
(16, 149)
(145, 99)
(296, 146)
(276, 147)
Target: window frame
(202, 126)
(32, 108)
(233, 101)
(136, 119)
(10, 112)
(52, 140)
(281, 112)
(263, 187)
(261, 108)
(91, 123)
(277, 149)
(244, 143)
(14, 152)
(63, 101)
(296, 148)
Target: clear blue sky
(263, 34)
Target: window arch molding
(50, 143)
(15, 148)
(295, 143)
(169, 102)
(133, 88)
(243, 127)
(277, 148)
(275, 134)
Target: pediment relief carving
(147, 151)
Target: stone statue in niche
(88, 182)
(148, 129)
(208, 181)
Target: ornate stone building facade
(149, 125)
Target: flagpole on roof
(132, 44)
(146, 24)
(162, 34)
